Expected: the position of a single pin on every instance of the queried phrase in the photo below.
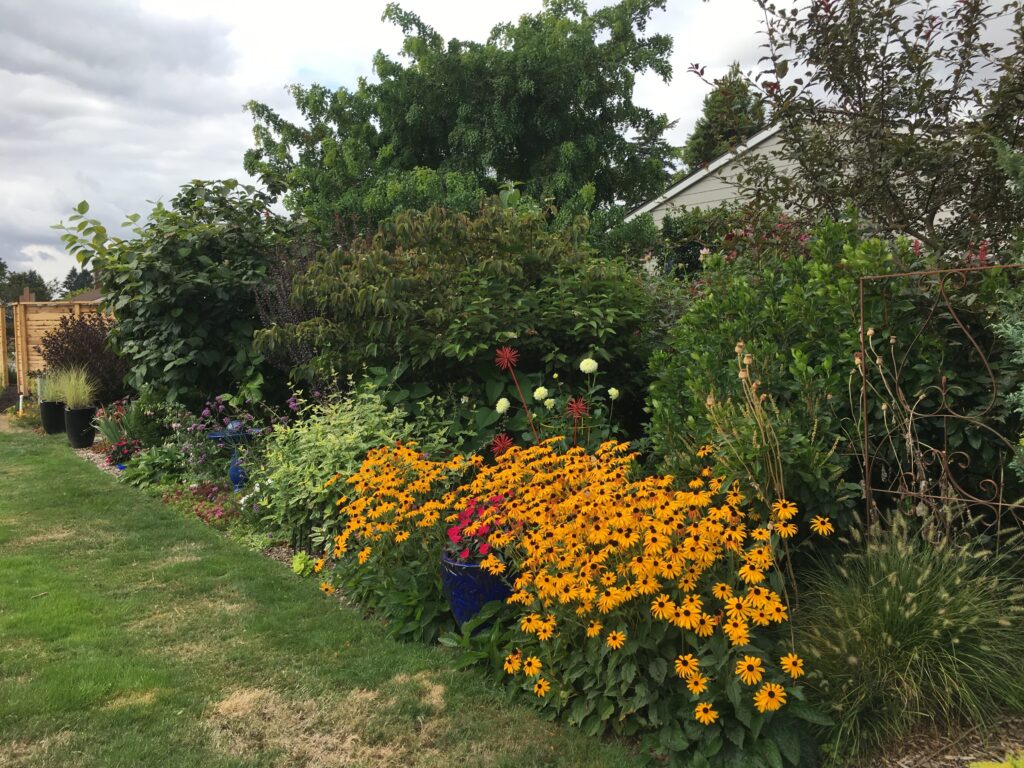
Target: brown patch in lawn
(23, 753)
(310, 733)
(180, 553)
(46, 537)
(431, 692)
(131, 699)
(171, 617)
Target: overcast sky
(121, 102)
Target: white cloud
(49, 261)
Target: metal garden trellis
(934, 475)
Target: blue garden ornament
(234, 434)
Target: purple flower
(226, 421)
(206, 413)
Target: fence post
(21, 348)
(5, 379)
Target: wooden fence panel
(32, 321)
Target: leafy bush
(913, 634)
(182, 287)
(181, 451)
(431, 295)
(324, 437)
(84, 342)
(156, 466)
(621, 586)
(1011, 329)
(674, 244)
(792, 297)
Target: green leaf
(770, 753)
(672, 739)
(657, 669)
(736, 734)
(810, 714)
(495, 388)
(788, 741)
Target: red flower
(577, 408)
(500, 444)
(506, 358)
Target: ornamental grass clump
(639, 608)
(74, 387)
(910, 634)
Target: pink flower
(464, 554)
(485, 548)
(455, 534)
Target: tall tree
(13, 285)
(76, 280)
(547, 101)
(893, 104)
(733, 112)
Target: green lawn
(130, 636)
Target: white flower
(540, 393)
(588, 365)
(549, 403)
(613, 393)
(502, 405)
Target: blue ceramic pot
(467, 587)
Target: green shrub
(913, 634)
(1011, 329)
(432, 295)
(675, 244)
(84, 342)
(325, 438)
(793, 297)
(160, 465)
(182, 287)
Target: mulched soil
(95, 455)
(957, 750)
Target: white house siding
(716, 185)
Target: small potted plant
(470, 569)
(51, 405)
(79, 392)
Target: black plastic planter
(51, 413)
(78, 425)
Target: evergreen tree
(76, 281)
(733, 112)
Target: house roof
(704, 172)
